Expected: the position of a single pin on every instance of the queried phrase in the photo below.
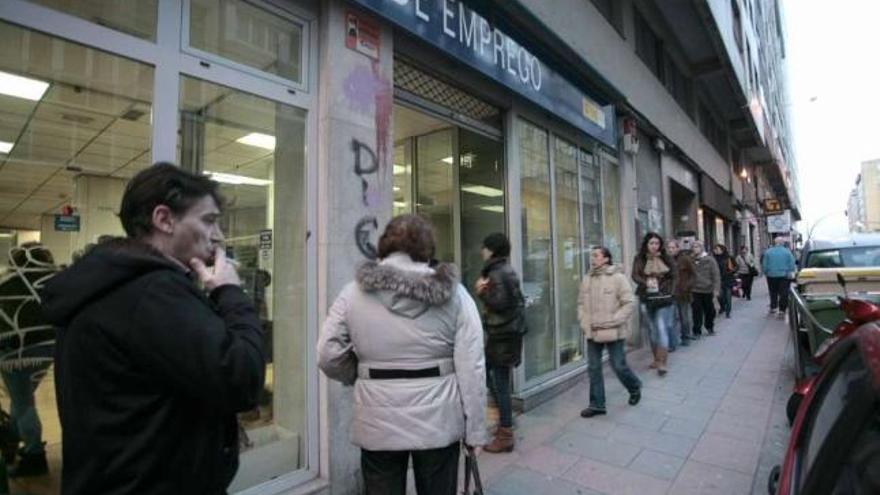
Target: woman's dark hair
(498, 244)
(643, 251)
(409, 234)
(162, 184)
(722, 247)
(605, 252)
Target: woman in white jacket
(409, 338)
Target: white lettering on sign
(448, 14)
(420, 13)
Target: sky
(832, 56)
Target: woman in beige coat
(605, 304)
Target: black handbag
(753, 271)
(658, 301)
(471, 470)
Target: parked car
(858, 250)
(834, 447)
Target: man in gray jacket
(409, 337)
(707, 286)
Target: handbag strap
(471, 469)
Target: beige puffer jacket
(404, 315)
(606, 301)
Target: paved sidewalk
(711, 426)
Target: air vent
(133, 115)
(77, 119)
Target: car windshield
(858, 257)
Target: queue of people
(420, 352)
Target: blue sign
(462, 33)
(67, 223)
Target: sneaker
(589, 413)
(635, 397)
(685, 343)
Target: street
(714, 425)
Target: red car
(834, 447)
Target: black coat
(150, 374)
(503, 316)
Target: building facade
(863, 205)
(565, 124)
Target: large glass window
(612, 232)
(255, 148)
(74, 126)
(481, 179)
(434, 188)
(137, 18)
(568, 250)
(249, 35)
(591, 203)
(537, 245)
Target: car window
(846, 382)
(860, 472)
(859, 257)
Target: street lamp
(823, 217)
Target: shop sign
(462, 33)
(779, 224)
(772, 206)
(67, 223)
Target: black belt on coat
(397, 374)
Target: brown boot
(655, 363)
(662, 354)
(503, 441)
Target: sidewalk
(714, 425)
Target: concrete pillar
(354, 198)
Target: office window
(679, 86)
(649, 47)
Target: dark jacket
(503, 316)
(685, 273)
(727, 269)
(150, 373)
(665, 284)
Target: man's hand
(481, 285)
(222, 273)
(476, 450)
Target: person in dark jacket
(706, 287)
(654, 272)
(727, 269)
(26, 348)
(684, 284)
(158, 347)
(503, 321)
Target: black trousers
(435, 470)
(747, 285)
(778, 287)
(703, 308)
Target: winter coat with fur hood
(404, 315)
(605, 301)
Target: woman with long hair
(605, 303)
(654, 273)
(727, 269)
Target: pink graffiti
(368, 91)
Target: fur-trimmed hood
(406, 287)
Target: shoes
(589, 413)
(635, 397)
(728, 315)
(711, 333)
(685, 343)
(697, 336)
(30, 465)
(662, 355)
(503, 441)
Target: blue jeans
(25, 422)
(659, 321)
(499, 384)
(618, 363)
(684, 319)
(725, 299)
